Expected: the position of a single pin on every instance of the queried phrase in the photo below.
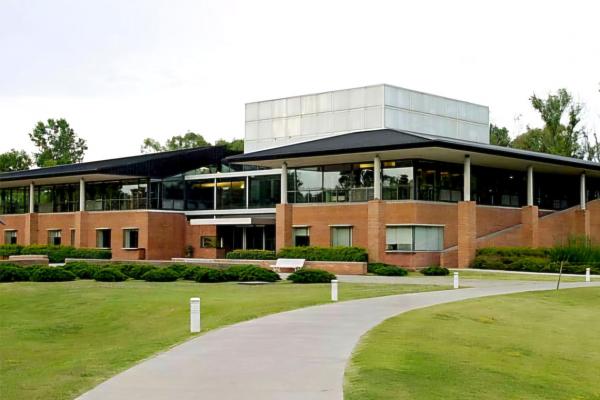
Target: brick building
(407, 175)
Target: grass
(531, 346)
(59, 339)
(476, 274)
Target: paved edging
(300, 354)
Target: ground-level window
(10, 237)
(209, 242)
(72, 237)
(131, 237)
(341, 236)
(414, 238)
(54, 237)
(301, 236)
(103, 238)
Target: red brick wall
(18, 222)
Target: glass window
(498, 187)
(231, 193)
(301, 236)
(54, 237)
(341, 236)
(117, 195)
(131, 238)
(103, 238)
(414, 238)
(57, 198)
(10, 237)
(265, 191)
(173, 194)
(14, 200)
(200, 195)
(209, 242)
(398, 180)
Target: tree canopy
(15, 160)
(187, 141)
(499, 136)
(57, 144)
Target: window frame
(335, 227)
(13, 235)
(127, 238)
(294, 235)
(53, 242)
(99, 230)
(414, 227)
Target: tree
(187, 141)
(14, 160)
(57, 143)
(236, 145)
(499, 136)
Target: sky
(121, 71)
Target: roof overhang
(57, 180)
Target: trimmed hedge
(210, 275)
(136, 271)
(434, 270)
(514, 252)
(307, 275)
(314, 253)
(82, 269)
(386, 269)
(12, 273)
(251, 255)
(160, 275)
(56, 254)
(51, 274)
(109, 275)
(249, 273)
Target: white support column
(582, 199)
(247, 192)
(530, 185)
(377, 180)
(467, 179)
(31, 198)
(284, 183)
(81, 195)
(195, 315)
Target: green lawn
(477, 274)
(530, 346)
(59, 339)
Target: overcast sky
(120, 71)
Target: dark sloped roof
(153, 165)
(388, 139)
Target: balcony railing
(352, 195)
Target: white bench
(288, 263)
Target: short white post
(195, 314)
(588, 277)
(334, 290)
(456, 283)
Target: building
(407, 175)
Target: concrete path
(298, 354)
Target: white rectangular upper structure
(274, 123)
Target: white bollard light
(456, 283)
(334, 290)
(195, 314)
(588, 276)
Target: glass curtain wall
(117, 195)
(14, 200)
(498, 187)
(231, 193)
(555, 192)
(398, 182)
(264, 191)
(200, 195)
(173, 193)
(56, 198)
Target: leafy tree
(14, 160)
(499, 136)
(236, 145)
(57, 143)
(187, 141)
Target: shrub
(314, 253)
(10, 250)
(190, 272)
(209, 275)
(12, 273)
(109, 275)
(160, 275)
(51, 274)
(177, 269)
(386, 269)
(434, 270)
(251, 255)
(253, 273)
(307, 275)
(57, 254)
(513, 251)
(576, 250)
(138, 270)
(82, 269)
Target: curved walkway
(299, 354)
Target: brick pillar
(467, 233)
(31, 229)
(80, 226)
(376, 230)
(530, 223)
(283, 225)
(581, 223)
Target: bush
(386, 269)
(314, 253)
(12, 273)
(209, 275)
(109, 275)
(513, 251)
(434, 270)
(249, 273)
(51, 274)
(178, 269)
(578, 250)
(81, 269)
(160, 275)
(306, 275)
(7, 250)
(251, 255)
(57, 254)
(189, 273)
(137, 271)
